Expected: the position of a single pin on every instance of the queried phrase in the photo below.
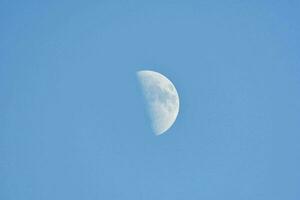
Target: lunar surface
(162, 99)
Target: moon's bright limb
(162, 99)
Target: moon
(162, 99)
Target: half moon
(162, 99)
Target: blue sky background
(72, 118)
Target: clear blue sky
(72, 118)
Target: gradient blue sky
(73, 123)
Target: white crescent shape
(162, 99)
